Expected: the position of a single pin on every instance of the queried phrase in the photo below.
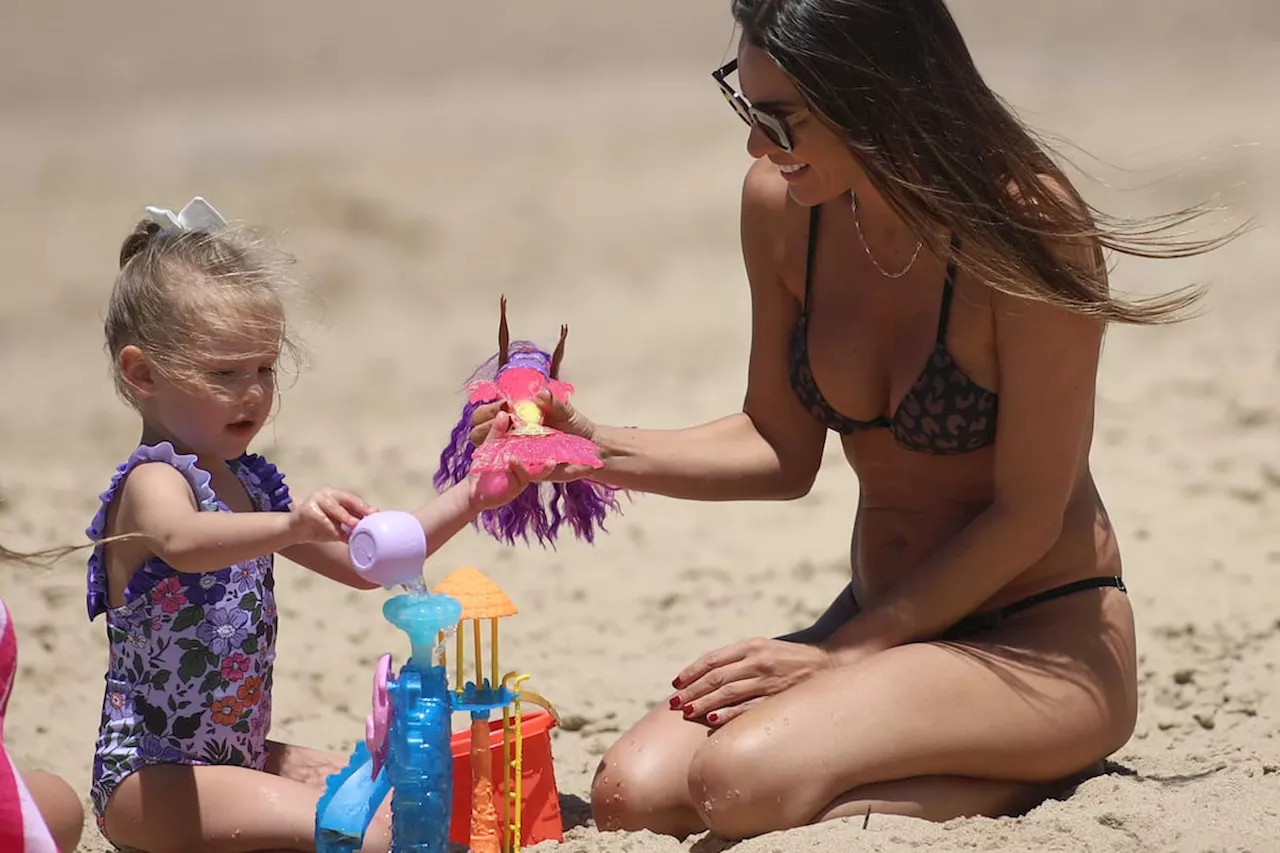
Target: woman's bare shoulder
(773, 225)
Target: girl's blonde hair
(9, 556)
(179, 293)
(48, 556)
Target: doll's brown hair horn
(558, 355)
(504, 337)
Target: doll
(515, 376)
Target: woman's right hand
(556, 414)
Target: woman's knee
(626, 791)
(641, 781)
(740, 786)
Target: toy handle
(388, 548)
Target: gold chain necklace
(853, 205)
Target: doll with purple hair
(515, 375)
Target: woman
(925, 282)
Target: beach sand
(419, 159)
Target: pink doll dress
(189, 675)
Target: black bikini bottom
(845, 607)
(980, 623)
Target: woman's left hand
(722, 684)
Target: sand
(422, 158)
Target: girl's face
(219, 404)
(819, 166)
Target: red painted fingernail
(687, 709)
(675, 702)
(675, 682)
(713, 717)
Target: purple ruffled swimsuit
(189, 678)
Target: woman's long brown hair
(896, 79)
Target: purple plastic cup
(388, 548)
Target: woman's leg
(224, 809)
(1046, 695)
(943, 798)
(641, 783)
(58, 805)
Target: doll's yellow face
(528, 413)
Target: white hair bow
(198, 215)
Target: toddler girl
(194, 328)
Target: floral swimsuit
(189, 678)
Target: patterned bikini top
(943, 413)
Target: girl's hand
(495, 489)
(722, 684)
(328, 516)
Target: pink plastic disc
(377, 723)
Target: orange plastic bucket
(540, 816)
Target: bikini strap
(809, 253)
(948, 286)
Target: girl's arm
(156, 502)
(441, 519)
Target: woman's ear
(137, 371)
